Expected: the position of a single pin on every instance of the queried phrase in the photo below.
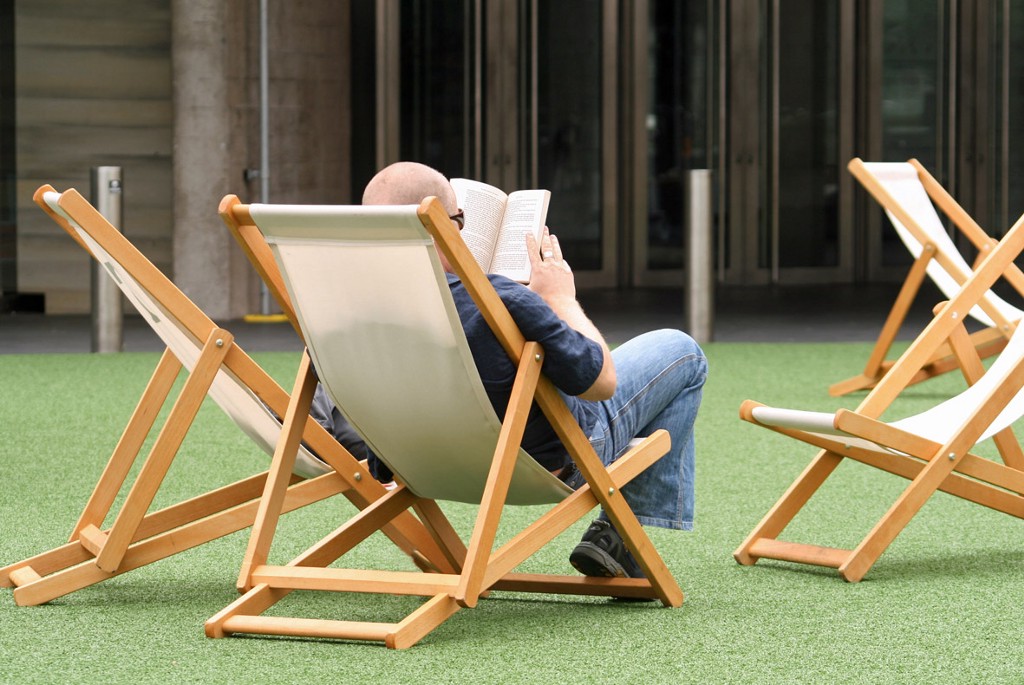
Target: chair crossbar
(309, 627)
(354, 580)
(801, 553)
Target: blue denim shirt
(572, 361)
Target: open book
(497, 224)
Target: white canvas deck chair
(909, 195)
(216, 367)
(382, 332)
(932, 449)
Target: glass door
(945, 85)
(516, 93)
(999, 123)
(810, 138)
(673, 125)
(8, 177)
(570, 129)
(906, 109)
(438, 64)
(788, 111)
(1011, 84)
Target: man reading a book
(652, 381)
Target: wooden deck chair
(382, 332)
(909, 195)
(932, 449)
(216, 367)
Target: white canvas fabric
(387, 343)
(937, 424)
(901, 181)
(234, 398)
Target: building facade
(608, 103)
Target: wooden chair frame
(929, 465)
(987, 341)
(479, 568)
(136, 538)
(236, 217)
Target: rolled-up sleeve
(572, 361)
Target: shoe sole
(592, 561)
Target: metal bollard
(700, 288)
(107, 315)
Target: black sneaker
(602, 554)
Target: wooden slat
(131, 442)
(308, 627)
(416, 625)
(779, 516)
(92, 539)
(817, 555)
(282, 465)
(576, 585)
(24, 576)
(354, 580)
(252, 603)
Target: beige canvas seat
(216, 367)
(912, 200)
(375, 310)
(934, 449)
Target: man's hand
(552, 279)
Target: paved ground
(791, 314)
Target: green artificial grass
(942, 603)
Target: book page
(525, 212)
(483, 206)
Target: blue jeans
(660, 379)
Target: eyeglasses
(459, 218)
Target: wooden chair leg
(779, 516)
(418, 624)
(558, 519)
(281, 466)
(505, 454)
(969, 360)
(261, 596)
(443, 533)
(356, 529)
(873, 369)
(258, 599)
(607, 494)
(79, 573)
(159, 461)
(128, 447)
(896, 518)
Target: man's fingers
(556, 248)
(531, 250)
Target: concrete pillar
(205, 255)
(215, 65)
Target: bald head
(407, 183)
